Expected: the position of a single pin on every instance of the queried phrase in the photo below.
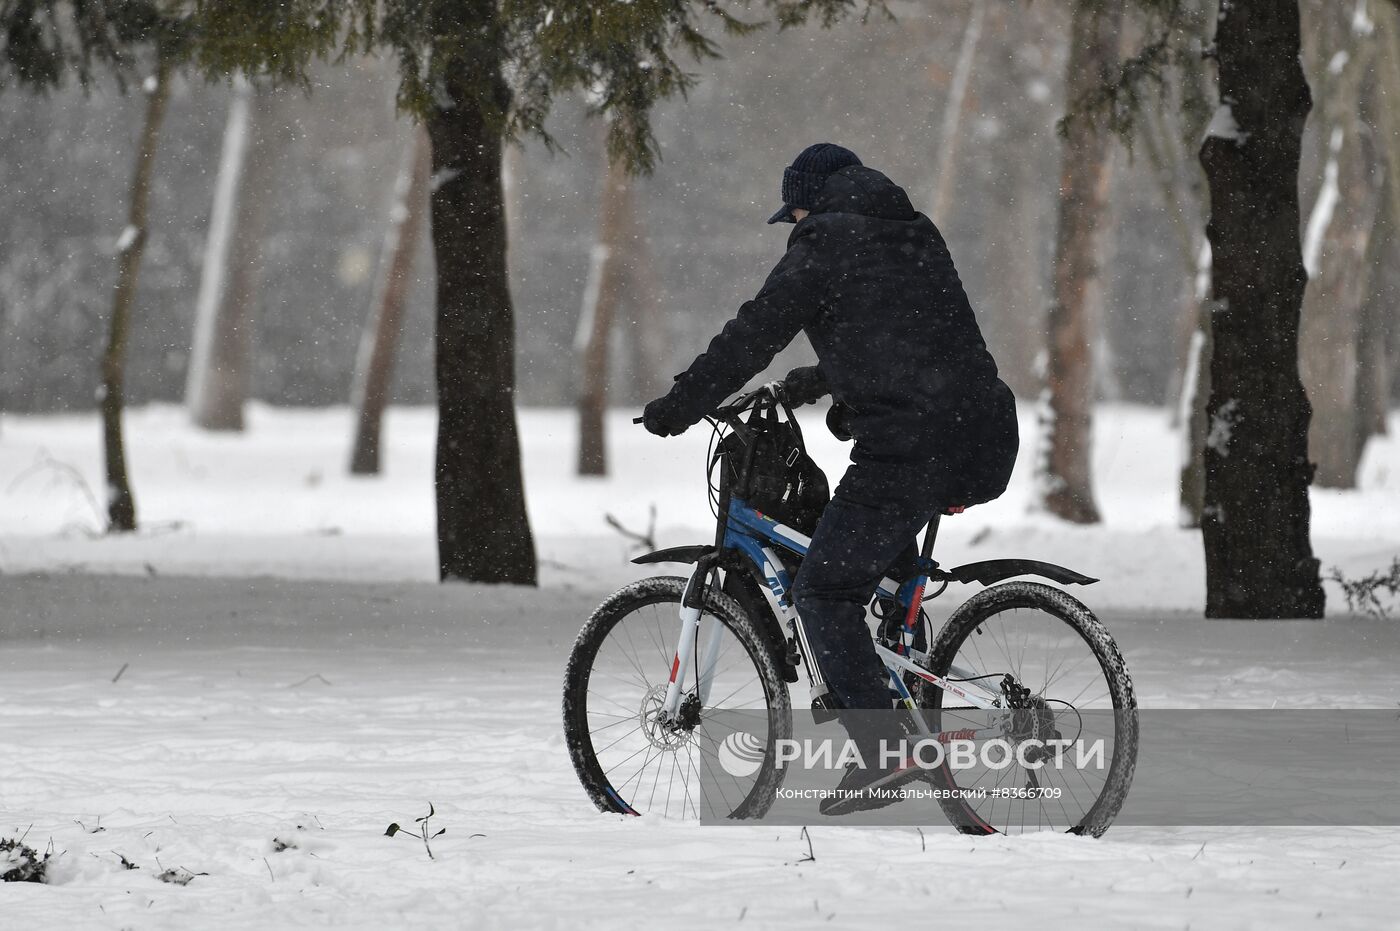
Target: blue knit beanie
(804, 178)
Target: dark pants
(865, 530)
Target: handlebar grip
(638, 419)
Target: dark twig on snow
(1363, 594)
(811, 857)
(46, 462)
(427, 834)
(314, 675)
(646, 541)
(177, 875)
(119, 673)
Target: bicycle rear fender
(995, 570)
(986, 572)
(685, 554)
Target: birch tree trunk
(121, 503)
(1255, 524)
(218, 379)
(1064, 472)
(374, 365)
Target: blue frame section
(748, 530)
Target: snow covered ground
(269, 666)
(278, 501)
(249, 712)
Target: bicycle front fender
(683, 554)
(995, 570)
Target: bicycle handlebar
(772, 390)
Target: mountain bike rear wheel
(630, 761)
(1060, 672)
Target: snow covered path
(252, 711)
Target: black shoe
(868, 789)
(891, 615)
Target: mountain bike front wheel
(633, 760)
(1067, 716)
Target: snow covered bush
(20, 863)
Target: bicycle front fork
(687, 645)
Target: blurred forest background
(696, 243)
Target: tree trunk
(218, 379)
(483, 531)
(1335, 252)
(1255, 525)
(374, 367)
(1013, 317)
(1194, 423)
(1374, 333)
(949, 136)
(1065, 485)
(1378, 339)
(648, 325)
(121, 504)
(601, 296)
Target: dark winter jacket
(872, 284)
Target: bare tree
(601, 295)
(953, 106)
(121, 503)
(1255, 524)
(1168, 131)
(1064, 469)
(647, 325)
(1377, 330)
(619, 278)
(1335, 248)
(1375, 334)
(374, 364)
(218, 378)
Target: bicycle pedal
(822, 712)
(791, 661)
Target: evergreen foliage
(1175, 44)
(626, 56)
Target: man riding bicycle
(872, 283)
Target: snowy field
(262, 680)
(278, 501)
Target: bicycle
(649, 666)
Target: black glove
(662, 418)
(838, 421)
(805, 385)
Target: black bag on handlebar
(783, 481)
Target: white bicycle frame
(967, 687)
